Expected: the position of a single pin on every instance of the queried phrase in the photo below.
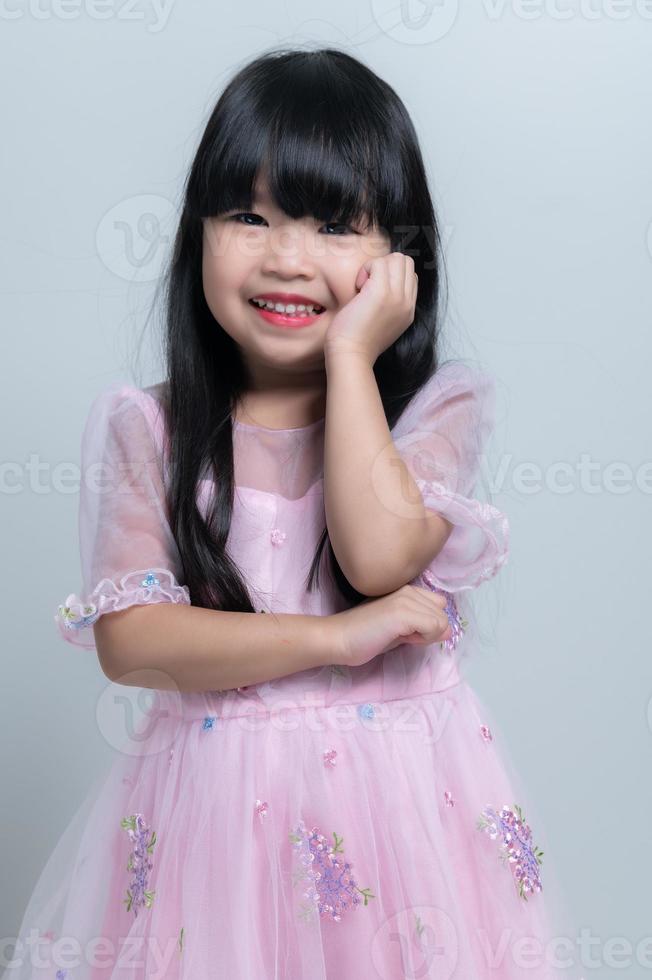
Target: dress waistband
(213, 707)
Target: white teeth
(291, 309)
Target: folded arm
(382, 534)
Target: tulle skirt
(383, 840)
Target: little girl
(279, 541)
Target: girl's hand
(382, 310)
(409, 615)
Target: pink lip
(287, 298)
(284, 321)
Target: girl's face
(247, 254)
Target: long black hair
(335, 142)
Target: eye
(334, 224)
(249, 214)
(243, 214)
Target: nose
(288, 253)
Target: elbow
(381, 575)
(381, 571)
(359, 575)
(375, 586)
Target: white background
(534, 120)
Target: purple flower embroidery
(516, 845)
(331, 888)
(457, 624)
(139, 862)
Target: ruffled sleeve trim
(76, 616)
(478, 545)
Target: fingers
(429, 596)
(426, 600)
(401, 271)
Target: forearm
(374, 510)
(182, 647)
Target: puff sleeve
(441, 437)
(127, 549)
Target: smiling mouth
(297, 314)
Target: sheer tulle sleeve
(441, 437)
(128, 553)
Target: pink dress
(334, 823)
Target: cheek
(343, 269)
(217, 292)
(209, 280)
(218, 278)
(342, 272)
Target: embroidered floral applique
(277, 537)
(366, 710)
(331, 887)
(76, 615)
(457, 624)
(139, 862)
(329, 758)
(516, 845)
(62, 975)
(261, 808)
(448, 798)
(209, 722)
(486, 733)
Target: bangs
(307, 132)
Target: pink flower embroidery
(329, 758)
(516, 845)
